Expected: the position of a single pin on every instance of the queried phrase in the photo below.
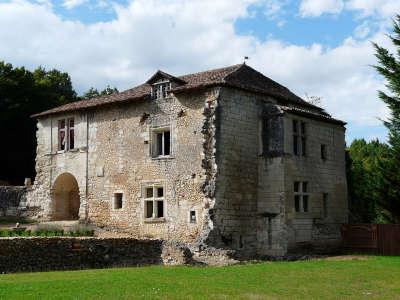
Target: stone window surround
(303, 196)
(299, 138)
(154, 185)
(113, 200)
(193, 221)
(160, 89)
(67, 132)
(153, 142)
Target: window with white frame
(153, 202)
(160, 90)
(161, 142)
(301, 196)
(299, 138)
(66, 134)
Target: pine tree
(389, 68)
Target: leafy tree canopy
(23, 93)
(94, 93)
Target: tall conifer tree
(389, 68)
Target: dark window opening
(325, 205)
(304, 188)
(160, 209)
(295, 145)
(149, 209)
(160, 192)
(297, 203)
(192, 216)
(323, 152)
(303, 146)
(296, 186)
(305, 203)
(167, 142)
(294, 126)
(118, 198)
(149, 192)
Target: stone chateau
(225, 158)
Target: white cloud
(69, 4)
(315, 8)
(381, 8)
(155, 34)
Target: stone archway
(65, 198)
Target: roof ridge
(214, 70)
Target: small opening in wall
(193, 216)
(118, 199)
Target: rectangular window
(295, 138)
(324, 153)
(162, 143)
(66, 134)
(301, 196)
(303, 139)
(71, 134)
(118, 200)
(154, 202)
(193, 216)
(160, 90)
(299, 138)
(325, 205)
(61, 135)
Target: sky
(314, 47)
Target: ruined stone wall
(323, 176)
(63, 253)
(12, 200)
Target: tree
(365, 180)
(94, 93)
(23, 93)
(389, 68)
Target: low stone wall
(63, 253)
(12, 198)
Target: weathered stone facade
(227, 179)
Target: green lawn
(372, 278)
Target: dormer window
(160, 90)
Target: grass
(48, 230)
(373, 278)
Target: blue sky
(314, 47)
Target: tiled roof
(302, 111)
(239, 76)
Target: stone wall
(13, 200)
(324, 176)
(113, 155)
(61, 253)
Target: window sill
(155, 220)
(163, 157)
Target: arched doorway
(65, 198)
